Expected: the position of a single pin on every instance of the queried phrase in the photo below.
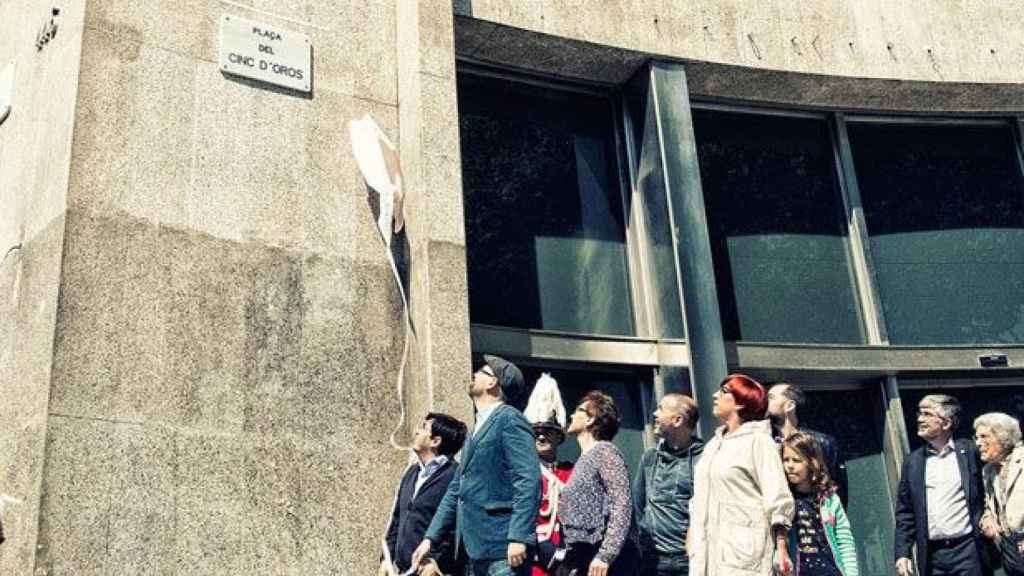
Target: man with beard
(663, 486)
(492, 502)
(784, 402)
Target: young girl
(820, 541)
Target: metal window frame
(571, 350)
(849, 366)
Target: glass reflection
(543, 208)
(775, 217)
(944, 206)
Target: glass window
(853, 417)
(944, 206)
(625, 387)
(776, 222)
(544, 214)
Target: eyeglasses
(724, 389)
(485, 369)
(929, 414)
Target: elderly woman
(741, 508)
(595, 506)
(998, 438)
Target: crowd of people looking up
(763, 496)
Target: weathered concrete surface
(429, 141)
(933, 40)
(229, 332)
(201, 331)
(35, 148)
(931, 56)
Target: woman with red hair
(741, 508)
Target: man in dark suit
(492, 502)
(941, 499)
(423, 485)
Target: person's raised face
(580, 419)
(423, 438)
(483, 379)
(546, 449)
(989, 447)
(798, 472)
(667, 417)
(724, 403)
(930, 425)
(778, 404)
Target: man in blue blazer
(941, 499)
(492, 501)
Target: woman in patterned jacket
(595, 506)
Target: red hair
(748, 393)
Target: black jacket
(411, 516)
(912, 509)
(662, 488)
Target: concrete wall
(200, 336)
(35, 148)
(229, 333)
(936, 40)
(876, 56)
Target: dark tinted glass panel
(544, 216)
(944, 207)
(853, 417)
(625, 388)
(775, 216)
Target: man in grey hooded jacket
(663, 486)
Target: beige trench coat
(740, 492)
(1013, 507)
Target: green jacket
(838, 534)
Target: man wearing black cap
(492, 502)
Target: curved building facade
(202, 334)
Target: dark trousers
(959, 558)
(655, 564)
(579, 555)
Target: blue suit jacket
(494, 497)
(912, 505)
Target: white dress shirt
(483, 414)
(426, 470)
(948, 514)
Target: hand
(904, 567)
(516, 554)
(430, 569)
(783, 565)
(598, 568)
(420, 552)
(990, 527)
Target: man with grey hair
(940, 500)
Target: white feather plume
(545, 402)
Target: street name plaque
(266, 53)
